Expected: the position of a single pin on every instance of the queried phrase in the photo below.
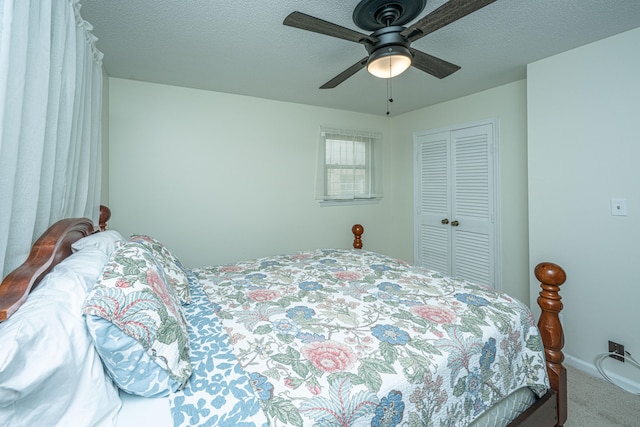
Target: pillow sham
(106, 241)
(178, 275)
(137, 324)
(50, 372)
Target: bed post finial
(105, 215)
(357, 231)
(551, 276)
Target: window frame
(370, 162)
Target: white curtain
(50, 131)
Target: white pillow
(50, 372)
(107, 241)
(87, 263)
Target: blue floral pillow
(136, 321)
(176, 273)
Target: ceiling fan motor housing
(388, 36)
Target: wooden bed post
(357, 231)
(551, 276)
(105, 215)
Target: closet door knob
(455, 223)
(445, 221)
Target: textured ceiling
(241, 47)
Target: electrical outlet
(619, 207)
(618, 349)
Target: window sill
(349, 202)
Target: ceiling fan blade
(345, 74)
(442, 16)
(430, 64)
(317, 25)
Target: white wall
(584, 149)
(220, 178)
(507, 104)
(187, 143)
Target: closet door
(455, 203)
(433, 202)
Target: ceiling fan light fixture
(389, 61)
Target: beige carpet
(594, 402)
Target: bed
(99, 329)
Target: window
(349, 165)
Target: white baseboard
(590, 368)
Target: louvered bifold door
(433, 202)
(454, 199)
(472, 202)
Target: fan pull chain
(389, 97)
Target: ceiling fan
(389, 45)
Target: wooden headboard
(51, 248)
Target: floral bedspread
(219, 392)
(354, 338)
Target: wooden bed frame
(550, 410)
